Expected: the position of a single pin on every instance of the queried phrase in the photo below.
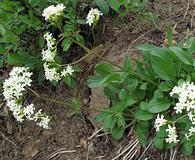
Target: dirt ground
(71, 138)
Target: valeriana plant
(65, 20)
(156, 97)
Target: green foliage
(139, 93)
(119, 5)
(19, 27)
(22, 27)
(75, 107)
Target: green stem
(60, 40)
(139, 76)
(59, 26)
(93, 36)
(81, 59)
(179, 118)
(97, 55)
(48, 99)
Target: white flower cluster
(51, 73)
(13, 91)
(186, 97)
(49, 54)
(186, 103)
(191, 132)
(172, 134)
(93, 16)
(53, 13)
(160, 121)
(67, 71)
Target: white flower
(51, 74)
(67, 71)
(13, 89)
(49, 39)
(18, 117)
(29, 111)
(179, 107)
(191, 116)
(192, 130)
(49, 54)
(52, 12)
(93, 16)
(44, 122)
(176, 90)
(172, 135)
(186, 97)
(37, 115)
(160, 121)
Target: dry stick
(60, 151)
(135, 142)
(130, 153)
(192, 20)
(174, 154)
(186, 12)
(88, 153)
(146, 149)
(96, 132)
(142, 36)
(171, 153)
(8, 139)
(99, 157)
(132, 156)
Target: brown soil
(68, 137)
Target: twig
(186, 12)
(8, 139)
(96, 132)
(171, 153)
(141, 36)
(132, 144)
(99, 157)
(60, 151)
(103, 134)
(146, 149)
(88, 153)
(132, 156)
(130, 153)
(192, 19)
(173, 157)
